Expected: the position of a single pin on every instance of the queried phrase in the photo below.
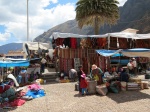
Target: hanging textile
(142, 43)
(113, 43)
(67, 53)
(94, 42)
(83, 43)
(59, 41)
(101, 42)
(88, 43)
(69, 64)
(78, 42)
(85, 65)
(73, 42)
(122, 43)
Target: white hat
(133, 58)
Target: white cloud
(13, 14)
(4, 36)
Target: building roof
(130, 30)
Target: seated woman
(124, 76)
(106, 73)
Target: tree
(96, 13)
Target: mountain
(134, 14)
(8, 47)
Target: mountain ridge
(133, 14)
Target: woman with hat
(96, 74)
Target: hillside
(12, 46)
(134, 14)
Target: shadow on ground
(128, 96)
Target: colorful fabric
(35, 94)
(94, 42)
(113, 43)
(142, 43)
(73, 43)
(122, 43)
(101, 42)
(96, 77)
(34, 87)
(17, 102)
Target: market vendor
(43, 62)
(124, 76)
(72, 74)
(96, 74)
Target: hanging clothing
(122, 43)
(66, 42)
(73, 43)
(101, 42)
(94, 42)
(78, 42)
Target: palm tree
(96, 13)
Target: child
(83, 84)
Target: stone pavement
(61, 97)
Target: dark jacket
(79, 75)
(124, 76)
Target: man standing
(130, 67)
(134, 66)
(43, 62)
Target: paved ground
(61, 97)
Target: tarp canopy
(108, 53)
(136, 52)
(36, 45)
(13, 63)
(56, 35)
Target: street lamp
(27, 22)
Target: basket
(102, 90)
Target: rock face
(134, 14)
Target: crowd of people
(99, 76)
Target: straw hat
(94, 67)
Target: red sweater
(83, 83)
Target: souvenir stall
(31, 73)
(7, 64)
(74, 49)
(11, 94)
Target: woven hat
(94, 67)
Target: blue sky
(43, 15)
